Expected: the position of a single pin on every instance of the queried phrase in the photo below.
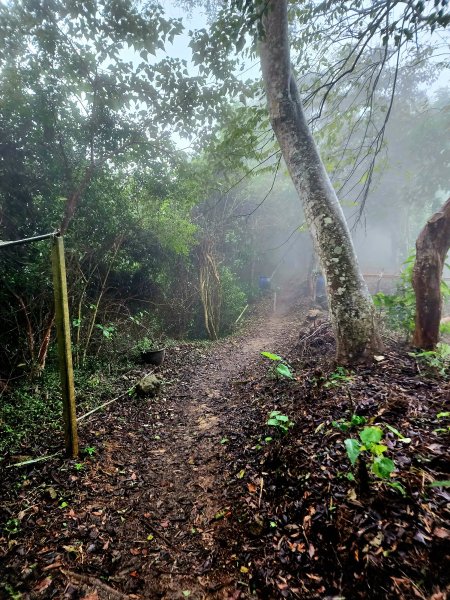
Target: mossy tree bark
(351, 307)
(432, 246)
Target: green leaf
(271, 356)
(397, 486)
(378, 449)
(371, 435)
(357, 420)
(443, 415)
(273, 422)
(284, 371)
(342, 425)
(383, 467)
(404, 439)
(353, 448)
(283, 418)
(444, 483)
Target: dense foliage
(93, 112)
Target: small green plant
(79, 466)
(344, 425)
(338, 378)
(145, 344)
(281, 368)
(370, 443)
(371, 449)
(446, 427)
(89, 450)
(436, 361)
(12, 593)
(12, 526)
(280, 422)
(107, 330)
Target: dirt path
(190, 495)
(188, 477)
(198, 462)
(148, 515)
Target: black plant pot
(153, 357)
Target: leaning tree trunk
(210, 289)
(351, 307)
(432, 246)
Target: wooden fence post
(64, 346)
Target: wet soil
(192, 495)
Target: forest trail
(190, 495)
(191, 469)
(151, 513)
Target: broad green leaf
(371, 435)
(353, 448)
(378, 449)
(273, 422)
(383, 467)
(444, 483)
(443, 415)
(284, 371)
(271, 356)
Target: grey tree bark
(351, 307)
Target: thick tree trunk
(431, 249)
(351, 307)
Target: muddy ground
(191, 494)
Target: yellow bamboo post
(64, 346)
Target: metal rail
(35, 238)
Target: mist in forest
(409, 184)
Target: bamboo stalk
(97, 408)
(64, 346)
(32, 461)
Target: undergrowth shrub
(234, 300)
(24, 412)
(399, 309)
(435, 362)
(29, 410)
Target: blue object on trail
(320, 285)
(264, 283)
